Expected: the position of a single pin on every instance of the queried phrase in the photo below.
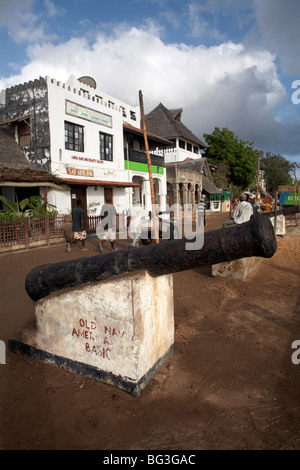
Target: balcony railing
(141, 157)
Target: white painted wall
(61, 199)
(61, 158)
(146, 189)
(177, 154)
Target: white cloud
(52, 9)
(22, 24)
(199, 25)
(277, 28)
(226, 85)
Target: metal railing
(26, 231)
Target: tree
(15, 209)
(277, 171)
(220, 176)
(240, 157)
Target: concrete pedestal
(118, 331)
(280, 225)
(237, 269)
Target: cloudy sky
(227, 63)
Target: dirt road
(230, 383)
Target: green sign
(136, 166)
(288, 199)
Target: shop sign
(80, 172)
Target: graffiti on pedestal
(97, 341)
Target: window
(106, 146)
(73, 137)
(196, 149)
(189, 147)
(132, 115)
(123, 111)
(181, 144)
(24, 134)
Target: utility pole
(295, 191)
(257, 187)
(156, 236)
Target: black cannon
(253, 238)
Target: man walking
(134, 222)
(78, 227)
(106, 229)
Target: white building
(188, 174)
(89, 140)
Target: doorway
(137, 195)
(108, 196)
(78, 192)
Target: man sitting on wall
(242, 213)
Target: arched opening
(181, 194)
(137, 194)
(197, 193)
(189, 194)
(156, 190)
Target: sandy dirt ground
(230, 383)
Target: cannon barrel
(253, 238)
(286, 211)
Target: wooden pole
(295, 191)
(156, 236)
(26, 229)
(276, 209)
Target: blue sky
(227, 63)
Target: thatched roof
(194, 164)
(209, 186)
(167, 123)
(14, 166)
(200, 165)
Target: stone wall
(31, 99)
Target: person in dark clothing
(78, 227)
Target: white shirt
(136, 213)
(242, 212)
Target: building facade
(18, 178)
(87, 139)
(189, 177)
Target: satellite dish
(88, 81)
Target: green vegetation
(33, 207)
(240, 158)
(236, 163)
(277, 171)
